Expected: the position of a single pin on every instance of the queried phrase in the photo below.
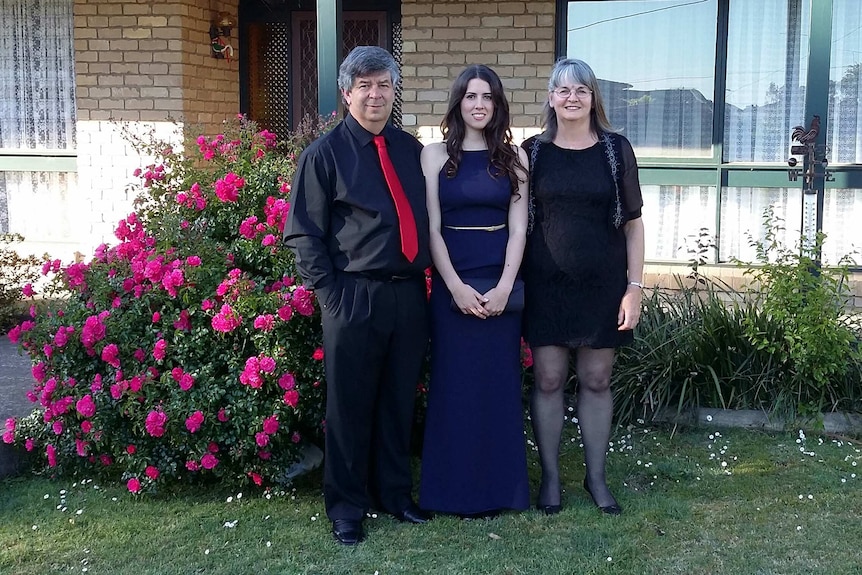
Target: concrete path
(15, 381)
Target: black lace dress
(575, 265)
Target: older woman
(583, 269)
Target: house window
(709, 91)
(661, 101)
(37, 107)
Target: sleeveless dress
(474, 452)
(575, 264)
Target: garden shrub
(188, 350)
(17, 273)
(805, 305)
(787, 344)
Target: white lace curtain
(37, 75)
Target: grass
(697, 501)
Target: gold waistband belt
(478, 228)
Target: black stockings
(595, 412)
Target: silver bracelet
(637, 284)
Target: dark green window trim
(38, 160)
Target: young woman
(474, 459)
(583, 270)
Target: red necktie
(406, 222)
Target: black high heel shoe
(613, 509)
(549, 509)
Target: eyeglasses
(581, 93)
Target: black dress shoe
(348, 531)
(412, 514)
(612, 509)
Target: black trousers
(375, 335)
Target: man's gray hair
(364, 61)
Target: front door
(280, 79)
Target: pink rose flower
(267, 364)
(194, 421)
(51, 452)
(261, 438)
(287, 381)
(86, 406)
(318, 354)
(183, 321)
(111, 355)
(291, 397)
(209, 461)
(61, 337)
(159, 349)
(302, 301)
(264, 322)
(285, 313)
(155, 423)
(270, 425)
(152, 472)
(133, 485)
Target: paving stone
(15, 381)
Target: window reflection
(767, 63)
(655, 60)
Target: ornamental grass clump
(188, 350)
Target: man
(359, 228)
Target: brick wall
(516, 39)
(142, 66)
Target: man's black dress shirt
(342, 216)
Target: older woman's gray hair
(364, 61)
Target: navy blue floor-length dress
(474, 453)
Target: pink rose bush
(187, 349)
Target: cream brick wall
(441, 37)
(142, 67)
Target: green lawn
(699, 501)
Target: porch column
(329, 17)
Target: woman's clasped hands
(483, 306)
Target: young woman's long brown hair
(498, 136)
